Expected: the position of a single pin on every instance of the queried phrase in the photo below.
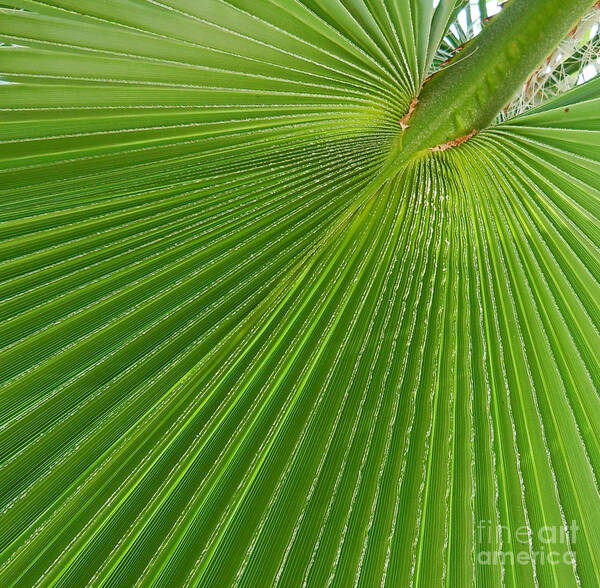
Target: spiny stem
(466, 96)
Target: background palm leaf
(226, 362)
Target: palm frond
(224, 362)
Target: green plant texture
(289, 297)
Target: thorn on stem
(453, 142)
(404, 120)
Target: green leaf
(227, 359)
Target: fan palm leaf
(240, 347)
